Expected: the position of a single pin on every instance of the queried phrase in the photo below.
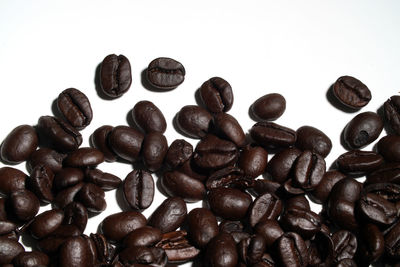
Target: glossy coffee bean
(60, 135)
(101, 249)
(105, 180)
(145, 236)
(138, 189)
(31, 259)
(178, 184)
(298, 202)
(165, 73)
(194, 121)
(217, 95)
(342, 213)
(229, 227)
(7, 227)
(11, 180)
(392, 114)
(321, 192)
(126, 142)
(9, 249)
(304, 222)
(272, 135)
(48, 157)
(46, 223)
(202, 226)
(213, 153)
(270, 230)
(148, 117)
(92, 197)
(291, 250)
(74, 252)
(178, 153)
(362, 130)
(377, 210)
(221, 251)
(75, 108)
(358, 162)
(262, 186)
(320, 250)
(386, 173)
(290, 188)
(388, 147)
(344, 244)
(67, 195)
(372, 245)
(268, 107)
(169, 215)
(265, 207)
(115, 75)
(229, 177)
(84, 157)
(99, 140)
(392, 241)
(41, 182)
(76, 214)
(227, 127)
(116, 226)
(229, 203)
(68, 177)
(282, 163)
(154, 149)
(19, 144)
(309, 170)
(132, 256)
(346, 189)
(351, 92)
(189, 168)
(24, 204)
(388, 191)
(253, 160)
(313, 139)
(252, 249)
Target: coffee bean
(272, 135)
(145, 236)
(154, 149)
(262, 186)
(351, 92)
(344, 244)
(362, 130)
(268, 107)
(84, 157)
(105, 180)
(372, 244)
(377, 210)
(92, 197)
(169, 215)
(11, 180)
(165, 73)
(68, 177)
(76, 214)
(252, 249)
(346, 263)
(51, 244)
(148, 117)
(290, 188)
(178, 153)
(253, 160)
(138, 188)
(229, 177)
(19, 144)
(298, 202)
(126, 142)
(228, 127)
(358, 162)
(229, 203)
(321, 251)
(31, 259)
(66, 196)
(74, 252)
(99, 248)
(115, 75)
(7, 227)
(304, 222)
(270, 230)
(194, 121)
(99, 140)
(45, 223)
(266, 261)
(392, 114)
(388, 191)
(9, 249)
(24, 204)
(75, 108)
(217, 95)
(189, 168)
(47, 157)
(342, 213)
(116, 226)
(282, 163)
(178, 184)
(388, 147)
(392, 241)
(41, 183)
(221, 251)
(143, 255)
(387, 173)
(313, 139)
(229, 227)
(346, 189)
(202, 226)
(309, 170)
(291, 250)
(265, 207)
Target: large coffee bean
(217, 95)
(344, 244)
(116, 226)
(84, 157)
(388, 147)
(48, 157)
(377, 210)
(358, 162)
(309, 170)
(41, 183)
(229, 203)
(138, 188)
(371, 245)
(282, 163)
(148, 117)
(321, 192)
(46, 223)
(265, 207)
(273, 135)
(392, 113)
(92, 197)
(194, 121)
(19, 144)
(351, 92)
(178, 184)
(228, 127)
(68, 177)
(115, 75)
(75, 107)
(31, 259)
(313, 139)
(178, 153)
(67, 195)
(165, 73)
(126, 142)
(144, 236)
(386, 173)
(9, 249)
(202, 226)
(169, 215)
(154, 149)
(76, 214)
(74, 253)
(253, 160)
(11, 180)
(99, 140)
(221, 251)
(304, 222)
(268, 107)
(24, 204)
(291, 250)
(270, 230)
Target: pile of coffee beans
(256, 210)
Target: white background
(295, 48)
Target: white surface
(296, 48)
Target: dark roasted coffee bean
(99, 140)
(138, 189)
(346, 263)
(281, 164)
(268, 107)
(76, 214)
(105, 180)
(31, 259)
(253, 160)
(126, 142)
(270, 230)
(66, 196)
(45, 156)
(342, 213)
(67, 177)
(392, 242)
(84, 157)
(291, 250)
(262, 186)
(362, 130)
(388, 191)
(392, 113)
(178, 153)
(313, 139)
(11, 180)
(115, 75)
(344, 244)
(148, 117)
(169, 215)
(252, 249)
(165, 73)
(273, 135)
(178, 184)
(75, 107)
(265, 207)
(388, 147)
(212, 153)
(74, 252)
(92, 197)
(372, 244)
(346, 189)
(3, 212)
(51, 244)
(321, 251)
(230, 226)
(221, 251)
(351, 92)
(229, 177)
(194, 121)
(217, 95)
(309, 170)
(154, 149)
(358, 162)
(145, 236)
(189, 168)
(46, 223)
(377, 210)
(116, 226)
(291, 189)
(266, 261)
(7, 227)
(24, 204)
(227, 127)
(9, 249)
(101, 249)
(41, 183)
(19, 144)
(386, 173)
(143, 256)
(298, 202)
(60, 135)
(202, 226)
(321, 192)
(304, 222)
(229, 203)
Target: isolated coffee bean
(377, 210)
(154, 149)
(99, 140)
(392, 113)
(304, 222)
(115, 75)
(126, 142)
(24, 204)
(386, 173)
(282, 163)
(270, 230)
(92, 197)
(75, 108)
(138, 189)
(169, 215)
(84, 157)
(321, 192)
(74, 252)
(358, 162)
(313, 139)
(67, 195)
(9, 249)
(221, 251)
(178, 153)
(148, 117)
(272, 135)
(31, 259)
(344, 244)
(76, 214)
(45, 223)
(291, 250)
(105, 180)
(165, 73)
(178, 184)
(144, 236)
(351, 92)
(202, 226)
(229, 203)
(253, 160)
(388, 146)
(193, 121)
(116, 226)
(41, 182)
(47, 157)
(265, 207)
(19, 144)
(268, 107)
(371, 245)
(309, 170)
(68, 177)
(11, 180)
(362, 130)
(217, 95)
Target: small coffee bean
(309, 170)
(321, 192)
(282, 163)
(154, 149)
(388, 147)
(178, 153)
(359, 163)
(99, 140)
(272, 135)
(268, 107)
(392, 113)
(66, 196)
(362, 130)
(41, 183)
(253, 160)
(169, 215)
(126, 142)
(138, 189)
(193, 121)
(19, 144)
(377, 210)
(344, 245)
(75, 107)
(386, 173)
(84, 157)
(74, 252)
(228, 127)
(351, 92)
(313, 139)
(68, 177)
(47, 157)
(372, 244)
(165, 73)
(229, 203)
(221, 251)
(145, 236)
(46, 223)
(9, 249)
(217, 95)
(76, 214)
(178, 184)
(11, 180)
(24, 204)
(202, 226)
(31, 259)
(270, 230)
(304, 222)
(265, 207)
(291, 250)
(105, 180)
(92, 197)
(115, 75)
(148, 117)
(116, 226)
